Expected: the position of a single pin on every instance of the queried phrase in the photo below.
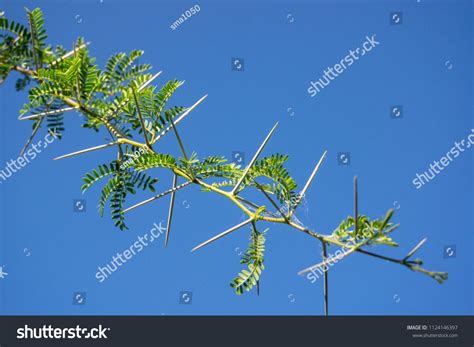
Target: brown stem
(326, 288)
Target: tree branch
(326, 283)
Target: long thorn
(356, 208)
(308, 183)
(170, 212)
(157, 196)
(247, 169)
(70, 53)
(228, 231)
(113, 112)
(142, 122)
(30, 139)
(48, 113)
(181, 146)
(147, 83)
(179, 119)
(180, 142)
(86, 150)
(416, 248)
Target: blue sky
(423, 64)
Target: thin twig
(270, 199)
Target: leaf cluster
(253, 258)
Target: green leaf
(254, 258)
(96, 174)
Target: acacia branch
(99, 110)
(237, 200)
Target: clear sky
(423, 63)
